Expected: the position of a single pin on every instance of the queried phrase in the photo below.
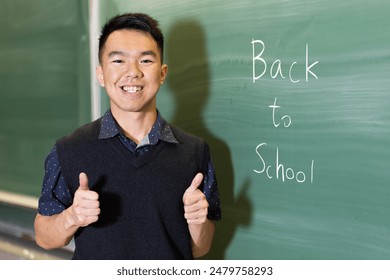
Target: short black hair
(135, 21)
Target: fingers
(196, 213)
(195, 201)
(86, 213)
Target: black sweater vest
(142, 215)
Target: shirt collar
(161, 130)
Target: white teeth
(131, 89)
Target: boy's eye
(146, 61)
(117, 61)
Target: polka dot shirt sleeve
(55, 196)
(212, 194)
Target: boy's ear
(164, 72)
(99, 75)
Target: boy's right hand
(85, 208)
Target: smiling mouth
(131, 89)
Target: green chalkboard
(294, 98)
(44, 94)
(44, 84)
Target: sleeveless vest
(142, 214)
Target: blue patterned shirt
(56, 197)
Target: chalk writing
(259, 64)
(277, 170)
(286, 118)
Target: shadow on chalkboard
(189, 82)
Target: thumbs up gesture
(195, 202)
(85, 208)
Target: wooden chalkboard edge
(19, 199)
(14, 246)
(23, 253)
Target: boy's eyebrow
(114, 53)
(121, 53)
(152, 53)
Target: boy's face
(131, 71)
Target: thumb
(195, 183)
(83, 179)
